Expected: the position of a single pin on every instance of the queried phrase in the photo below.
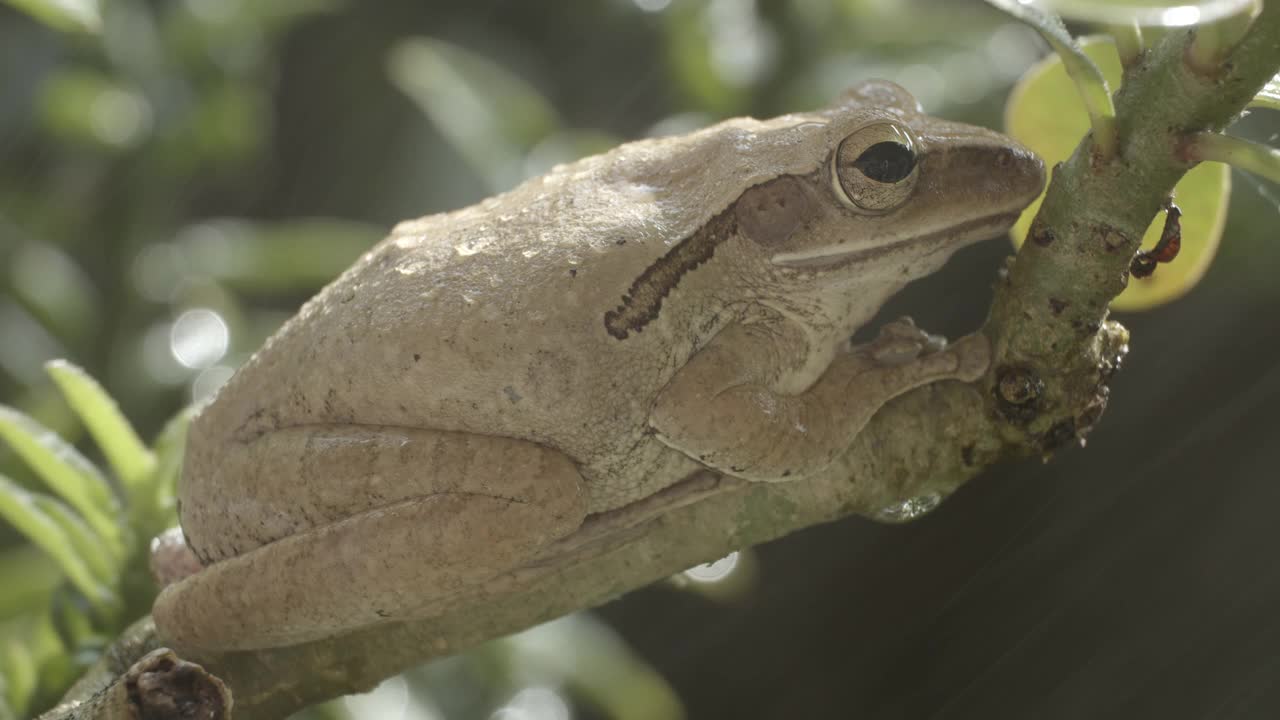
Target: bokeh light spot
(119, 118)
(1180, 16)
(389, 700)
(199, 338)
(652, 6)
(534, 703)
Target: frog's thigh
(394, 561)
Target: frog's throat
(643, 301)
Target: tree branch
(157, 685)
(1054, 351)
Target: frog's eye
(874, 170)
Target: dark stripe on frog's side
(643, 301)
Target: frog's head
(869, 194)
(895, 193)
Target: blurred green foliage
(177, 176)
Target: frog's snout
(1023, 170)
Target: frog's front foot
(902, 345)
(900, 342)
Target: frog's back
(487, 320)
(491, 319)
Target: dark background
(233, 156)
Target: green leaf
(128, 457)
(50, 283)
(6, 711)
(489, 114)
(1089, 80)
(84, 541)
(67, 472)
(19, 675)
(283, 256)
(170, 447)
(73, 624)
(91, 109)
(1165, 13)
(1269, 96)
(602, 668)
(1043, 115)
(64, 15)
(19, 508)
(29, 580)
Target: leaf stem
(1129, 43)
(1238, 153)
(1094, 92)
(1214, 41)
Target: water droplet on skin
(909, 509)
(713, 571)
(414, 267)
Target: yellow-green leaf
(1043, 114)
(67, 472)
(19, 509)
(128, 457)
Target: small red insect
(1144, 263)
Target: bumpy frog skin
(483, 380)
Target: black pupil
(886, 162)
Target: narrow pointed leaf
(19, 675)
(74, 624)
(84, 541)
(29, 581)
(6, 710)
(128, 457)
(489, 114)
(66, 472)
(170, 447)
(19, 509)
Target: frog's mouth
(951, 238)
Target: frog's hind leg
(393, 561)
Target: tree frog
(483, 380)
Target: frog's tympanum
(483, 380)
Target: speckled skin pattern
(481, 380)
